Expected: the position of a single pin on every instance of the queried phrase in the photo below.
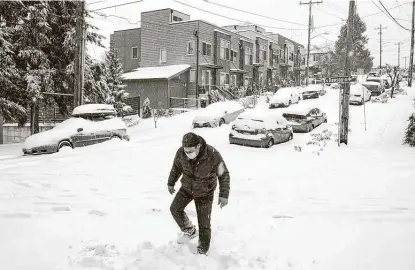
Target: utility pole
(346, 92)
(399, 53)
(405, 57)
(310, 4)
(79, 65)
(411, 57)
(380, 28)
(196, 32)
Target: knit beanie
(190, 140)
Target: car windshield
(294, 116)
(374, 80)
(371, 87)
(95, 117)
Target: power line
(213, 13)
(367, 16)
(119, 5)
(337, 16)
(256, 14)
(332, 6)
(393, 17)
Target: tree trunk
(34, 118)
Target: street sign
(338, 80)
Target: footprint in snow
(61, 209)
(97, 213)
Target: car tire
(221, 122)
(325, 120)
(116, 137)
(63, 144)
(309, 129)
(270, 143)
(291, 136)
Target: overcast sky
(330, 12)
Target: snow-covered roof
(93, 108)
(163, 72)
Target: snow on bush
(159, 113)
(383, 98)
(146, 108)
(410, 131)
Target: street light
(325, 33)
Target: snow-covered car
(359, 94)
(375, 88)
(304, 118)
(260, 129)
(379, 80)
(335, 85)
(89, 124)
(311, 91)
(217, 114)
(284, 97)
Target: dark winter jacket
(200, 175)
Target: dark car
(311, 91)
(305, 119)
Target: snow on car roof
(374, 78)
(299, 109)
(219, 108)
(93, 108)
(260, 114)
(371, 83)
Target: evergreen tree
(146, 108)
(114, 73)
(361, 57)
(95, 87)
(410, 132)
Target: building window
(191, 47)
(163, 55)
(248, 56)
(206, 49)
(274, 59)
(291, 56)
(233, 56)
(224, 79)
(192, 75)
(263, 53)
(177, 19)
(316, 57)
(225, 46)
(233, 80)
(135, 52)
(261, 77)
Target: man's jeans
(203, 209)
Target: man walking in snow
(200, 165)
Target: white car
(359, 94)
(284, 97)
(217, 114)
(89, 124)
(260, 128)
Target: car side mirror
(80, 129)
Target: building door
(207, 79)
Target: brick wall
(123, 41)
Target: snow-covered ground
(327, 207)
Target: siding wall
(123, 41)
(155, 90)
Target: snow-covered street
(327, 207)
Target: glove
(222, 202)
(171, 189)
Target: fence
(179, 102)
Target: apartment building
(277, 57)
(168, 43)
(320, 61)
(168, 38)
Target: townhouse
(320, 64)
(160, 58)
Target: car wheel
(270, 143)
(309, 128)
(325, 120)
(115, 137)
(291, 136)
(63, 144)
(221, 122)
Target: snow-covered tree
(117, 92)
(410, 132)
(95, 84)
(146, 108)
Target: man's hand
(171, 189)
(222, 202)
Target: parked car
(359, 94)
(335, 85)
(89, 124)
(386, 81)
(311, 91)
(375, 88)
(217, 114)
(379, 80)
(261, 129)
(305, 118)
(284, 97)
